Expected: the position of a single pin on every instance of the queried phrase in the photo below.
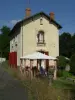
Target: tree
(73, 44)
(5, 30)
(4, 41)
(65, 44)
(72, 64)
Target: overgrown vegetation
(12, 71)
(39, 89)
(61, 65)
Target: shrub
(63, 73)
(66, 74)
(61, 63)
(59, 73)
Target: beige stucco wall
(28, 37)
(14, 40)
(30, 31)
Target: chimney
(52, 15)
(28, 12)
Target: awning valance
(37, 55)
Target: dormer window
(40, 37)
(41, 21)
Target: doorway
(47, 61)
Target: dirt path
(11, 89)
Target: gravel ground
(10, 88)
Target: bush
(63, 73)
(66, 74)
(61, 63)
(72, 64)
(59, 73)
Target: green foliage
(65, 44)
(61, 63)
(73, 44)
(59, 73)
(66, 74)
(4, 42)
(72, 64)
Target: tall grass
(40, 90)
(12, 71)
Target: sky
(12, 11)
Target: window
(16, 44)
(40, 37)
(12, 46)
(41, 21)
